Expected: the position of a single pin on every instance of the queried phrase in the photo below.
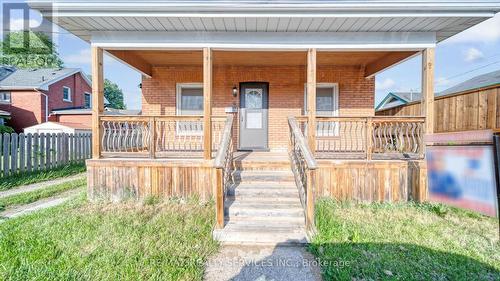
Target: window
(327, 97)
(5, 97)
(190, 102)
(66, 94)
(87, 100)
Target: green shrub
(6, 129)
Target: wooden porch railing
(368, 137)
(156, 136)
(223, 165)
(303, 167)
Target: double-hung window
(87, 100)
(190, 102)
(66, 94)
(5, 97)
(327, 104)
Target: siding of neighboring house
(286, 91)
(473, 110)
(27, 108)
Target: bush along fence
(24, 153)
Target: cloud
(488, 31)
(442, 82)
(473, 55)
(18, 24)
(387, 83)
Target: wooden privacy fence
(22, 153)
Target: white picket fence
(22, 153)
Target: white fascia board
(301, 14)
(225, 6)
(265, 40)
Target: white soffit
(444, 18)
(264, 40)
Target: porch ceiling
(373, 62)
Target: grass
(39, 176)
(32, 196)
(405, 242)
(168, 240)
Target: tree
(26, 49)
(113, 94)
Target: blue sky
(468, 54)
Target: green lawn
(32, 196)
(405, 242)
(86, 241)
(39, 176)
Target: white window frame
(2, 101)
(90, 95)
(69, 92)
(335, 111)
(178, 100)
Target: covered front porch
(313, 108)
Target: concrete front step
(260, 212)
(271, 186)
(261, 199)
(269, 219)
(232, 234)
(253, 176)
(256, 202)
(274, 193)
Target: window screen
(67, 93)
(87, 100)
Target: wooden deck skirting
(358, 180)
(372, 181)
(121, 179)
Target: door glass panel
(253, 98)
(254, 120)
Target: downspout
(46, 105)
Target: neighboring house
(238, 84)
(31, 94)
(83, 115)
(4, 116)
(470, 105)
(58, 127)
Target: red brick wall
(85, 119)
(78, 87)
(28, 107)
(25, 109)
(286, 91)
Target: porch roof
(441, 18)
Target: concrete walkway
(40, 185)
(38, 205)
(250, 263)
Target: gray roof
(6, 71)
(481, 81)
(36, 78)
(409, 96)
(71, 111)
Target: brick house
(31, 94)
(263, 105)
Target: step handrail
(304, 168)
(223, 165)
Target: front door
(253, 115)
